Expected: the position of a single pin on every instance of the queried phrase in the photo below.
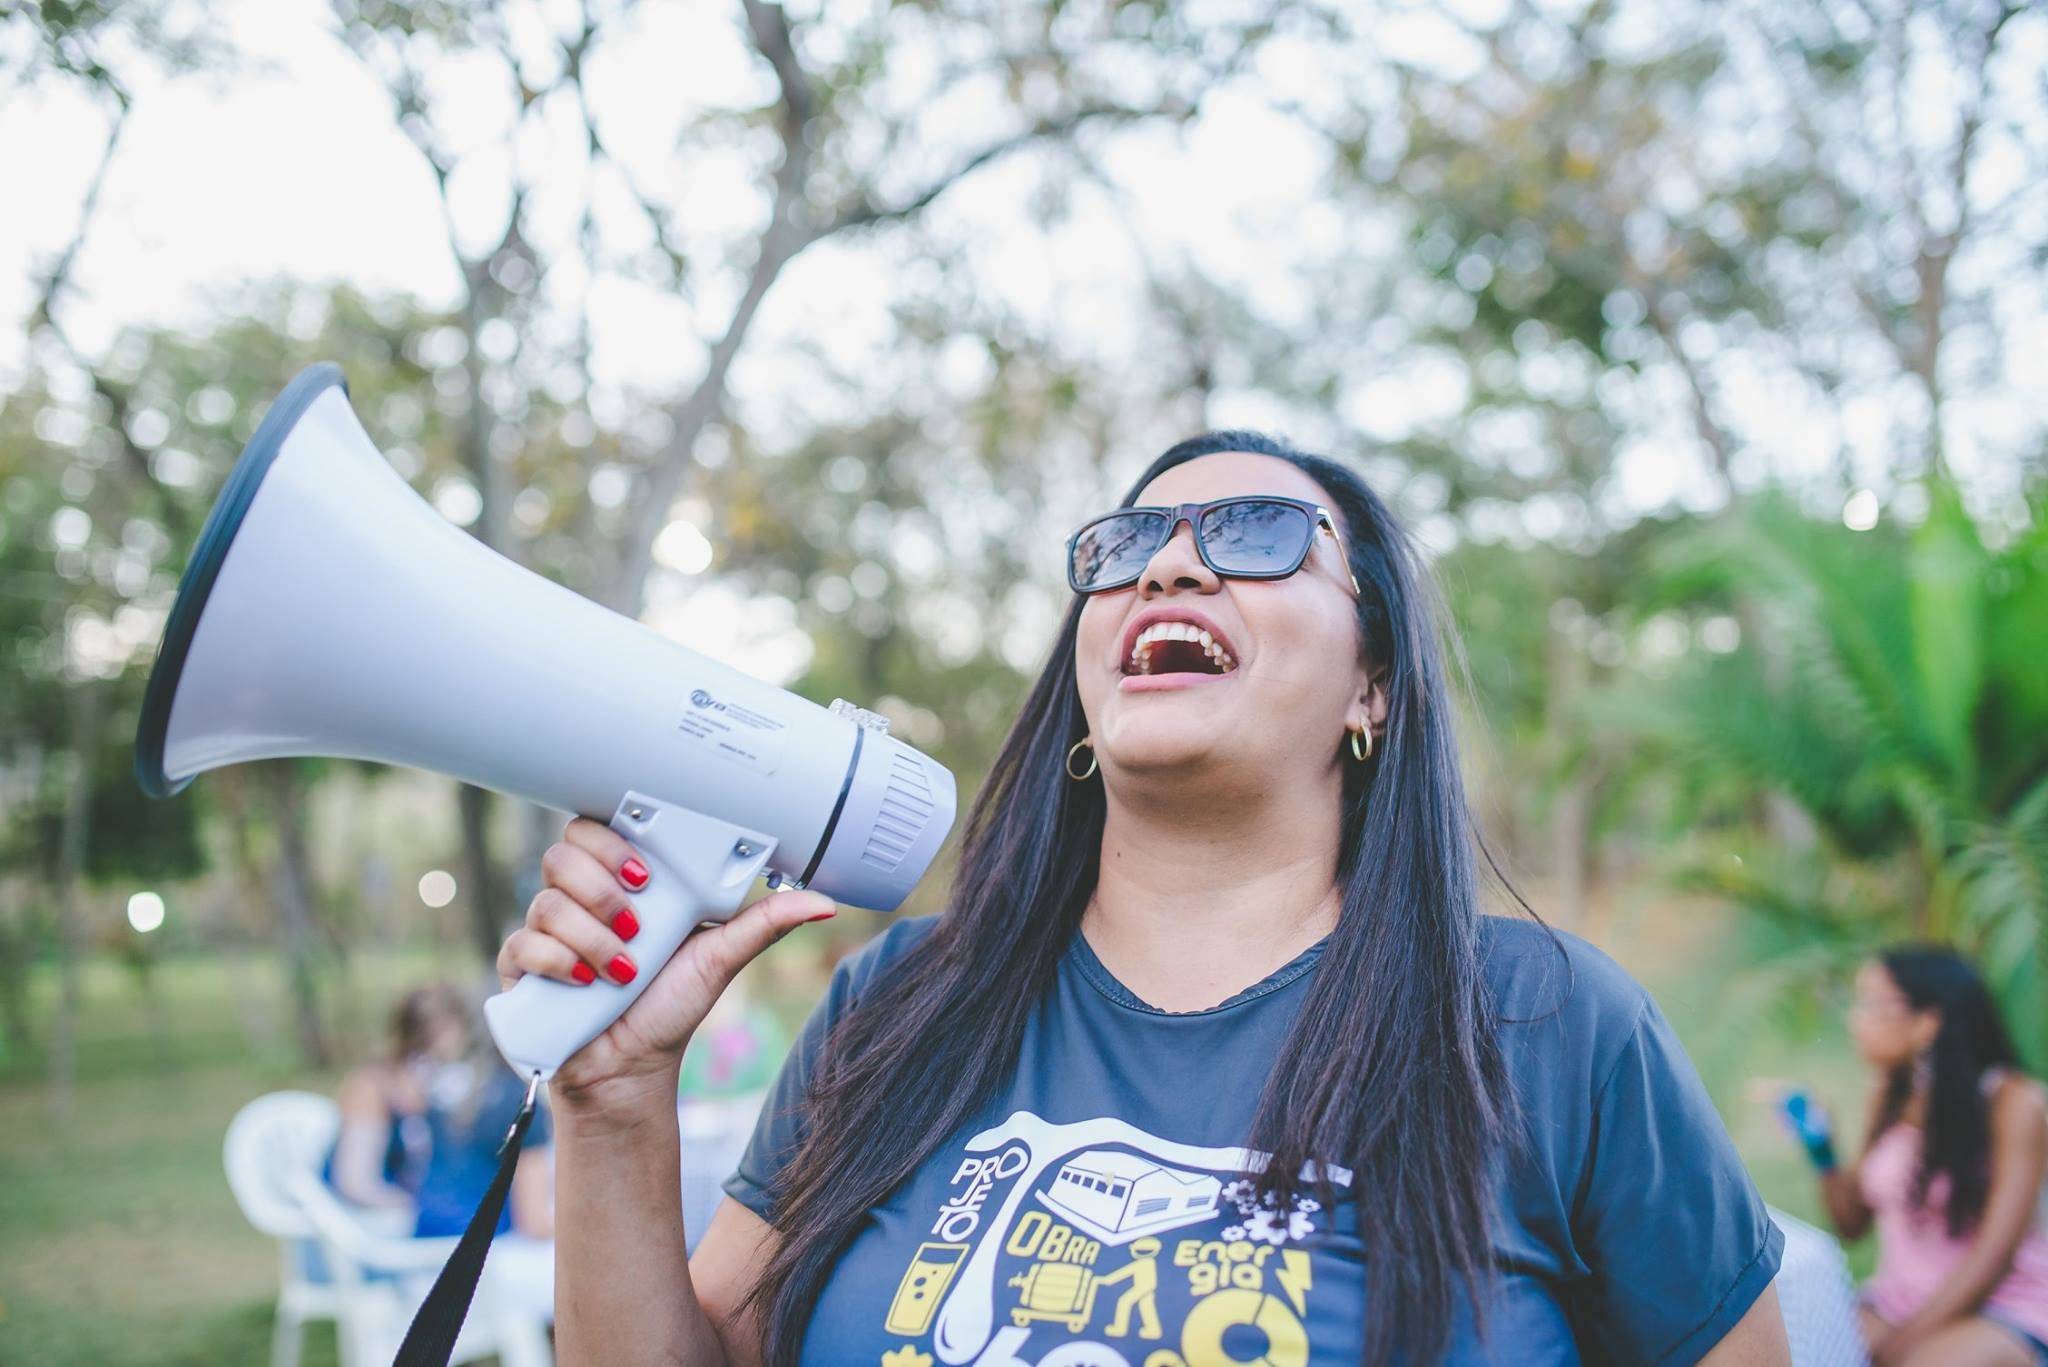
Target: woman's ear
(1369, 707)
(1926, 1028)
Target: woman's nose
(1179, 565)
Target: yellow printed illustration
(907, 1356)
(1142, 1271)
(1040, 1236)
(1055, 1291)
(924, 1283)
(1202, 1335)
(1095, 1244)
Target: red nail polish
(626, 925)
(621, 968)
(821, 916)
(583, 972)
(634, 873)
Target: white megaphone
(329, 610)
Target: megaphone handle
(699, 870)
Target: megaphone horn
(329, 610)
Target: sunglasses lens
(1114, 550)
(1257, 537)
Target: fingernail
(634, 873)
(626, 925)
(824, 915)
(621, 968)
(583, 973)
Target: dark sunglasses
(1251, 536)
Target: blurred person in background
(735, 1052)
(1951, 1170)
(420, 1127)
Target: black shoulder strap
(431, 1339)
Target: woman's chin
(1147, 751)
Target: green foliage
(1889, 693)
(101, 497)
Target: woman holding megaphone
(1212, 1057)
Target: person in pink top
(1951, 1170)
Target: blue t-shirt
(1095, 1215)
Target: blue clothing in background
(404, 1155)
(1095, 1210)
(462, 1156)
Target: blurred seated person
(420, 1128)
(736, 1052)
(1950, 1173)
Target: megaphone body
(329, 610)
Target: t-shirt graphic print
(1143, 1250)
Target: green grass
(120, 1243)
(119, 1240)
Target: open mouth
(1177, 648)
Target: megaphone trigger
(701, 870)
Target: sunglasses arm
(1330, 526)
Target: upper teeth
(1141, 648)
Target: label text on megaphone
(731, 731)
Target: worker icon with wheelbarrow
(1065, 1293)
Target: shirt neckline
(1082, 955)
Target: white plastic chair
(382, 1281)
(714, 1135)
(375, 1277)
(270, 1138)
(1817, 1297)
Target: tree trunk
(156, 1013)
(539, 827)
(254, 1011)
(16, 1033)
(85, 703)
(293, 886)
(488, 897)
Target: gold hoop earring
(1355, 754)
(1085, 773)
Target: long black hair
(1392, 1068)
(1971, 1041)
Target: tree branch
(44, 318)
(780, 241)
(768, 25)
(863, 212)
(784, 237)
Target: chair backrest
(269, 1139)
(355, 1254)
(1817, 1297)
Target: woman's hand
(580, 927)
(1810, 1124)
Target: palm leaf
(1946, 577)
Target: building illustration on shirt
(1113, 1194)
(1095, 1244)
